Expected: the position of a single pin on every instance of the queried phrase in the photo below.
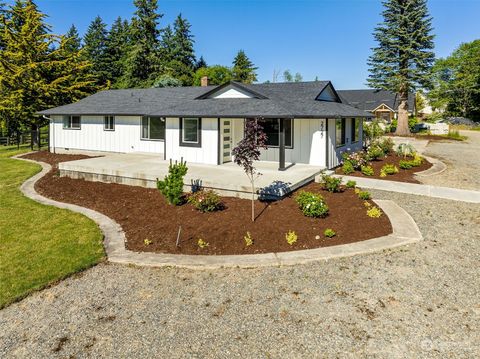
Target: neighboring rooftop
(369, 99)
(284, 100)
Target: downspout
(53, 130)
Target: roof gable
(328, 93)
(231, 90)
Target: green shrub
(329, 233)
(386, 145)
(405, 165)
(312, 204)
(351, 184)
(331, 184)
(364, 195)
(374, 212)
(357, 159)
(417, 160)
(388, 170)
(368, 170)
(375, 152)
(371, 132)
(172, 185)
(347, 168)
(291, 237)
(205, 201)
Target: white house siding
(335, 153)
(308, 144)
(92, 137)
(207, 153)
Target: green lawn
(38, 244)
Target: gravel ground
(461, 158)
(417, 301)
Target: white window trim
(106, 120)
(197, 120)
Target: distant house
(378, 104)
(305, 122)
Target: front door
(226, 143)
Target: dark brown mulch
(401, 176)
(52, 158)
(423, 137)
(144, 214)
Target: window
(109, 123)
(190, 132)
(271, 127)
(340, 132)
(355, 128)
(71, 122)
(153, 128)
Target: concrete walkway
(416, 189)
(405, 231)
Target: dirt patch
(53, 158)
(144, 214)
(401, 176)
(424, 137)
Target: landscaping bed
(152, 225)
(403, 175)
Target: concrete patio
(228, 179)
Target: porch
(228, 179)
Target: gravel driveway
(462, 160)
(416, 301)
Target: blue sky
(330, 39)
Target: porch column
(281, 146)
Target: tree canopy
(243, 69)
(217, 75)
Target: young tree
(287, 76)
(74, 43)
(248, 151)
(118, 47)
(96, 50)
(243, 69)
(143, 61)
(457, 82)
(217, 75)
(298, 77)
(403, 58)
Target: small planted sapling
(172, 185)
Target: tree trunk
(402, 120)
(253, 201)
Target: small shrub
(331, 184)
(172, 185)
(205, 201)
(388, 170)
(374, 212)
(367, 204)
(405, 150)
(417, 160)
(312, 204)
(371, 132)
(375, 152)
(357, 159)
(347, 168)
(351, 184)
(202, 244)
(248, 239)
(386, 145)
(358, 190)
(147, 242)
(364, 195)
(368, 170)
(329, 233)
(291, 237)
(405, 165)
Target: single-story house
(379, 104)
(305, 122)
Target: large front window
(153, 128)
(271, 127)
(190, 132)
(340, 132)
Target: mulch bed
(401, 176)
(423, 137)
(52, 158)
(144, 214)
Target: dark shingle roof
(296, 99)
(370, 99)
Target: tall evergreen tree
(96, 50)
(36, 71)
(73, 41)
(143, 62)
(167, 45)
(182, 62)
(243, 69)
(200, 63)
(403, 58)
(118, 46)
(3, 18)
